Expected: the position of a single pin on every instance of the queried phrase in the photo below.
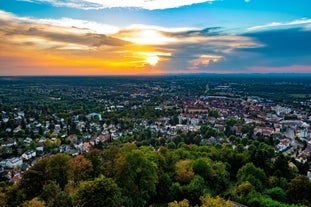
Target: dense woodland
(188, 175)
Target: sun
(152, 60)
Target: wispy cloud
(71, 45)
(280, 24)
(102, 4)
(130, 46)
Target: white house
(14, 162)
(29, 154)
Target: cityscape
(155, 103)
(44, 116)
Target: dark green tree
(299, 190)
(57, 169)
(100, 192)
(53, 196)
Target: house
(266, 131)
(39, 149)
(282, 146)
(63, 148)
(16, 178)
(14, 162)
(8, 144)
(73, 138)
(29, 154)
(27, 140)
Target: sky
(142, 37)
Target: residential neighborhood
(28, 136)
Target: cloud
(280, 24)
(103, 4)
(96, 48)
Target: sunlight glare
(152, 60)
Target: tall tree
(79, 168)
(34, 178)
(57, 169)
(256, 176)
(299, 190)
(53, 196)
(100, 192)
(137, 176)
(97, 159)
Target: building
(304, 133)
(29, 154)
(14, 162)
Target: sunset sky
(128, 37)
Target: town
(53, 115)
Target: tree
(220, 177)
(256, 176)
(184, 171)
(299, 190)
(100, 192)
(57, 169)
(136, 174)
(34, 178)
(281, 167)
(195, 189)
(14, 196)
(276, 193)
(245, 193)
(213, 113)
(171, 145)
(202, 168)
(97, 159)
(208, 201)
(79, 168)
(164, 188)
(54, 196)
(183, 203)
(33, 203)
(111, 158)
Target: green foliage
(164, 192)
(256, 176)
(99, 192)
(14, 196)
(213, 113)
(34, 179)
(276, 193)
(55, 197)
(97, 159)
(137, 176)
(202, 168)
(246, 193)
(33, 203)
(142, 176)
(57, 169)
(299, 190)
(281, 167)
(277, 182)
(269, 202)
(208, 201)
(183, 203)
(195, 189)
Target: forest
(186, 175)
